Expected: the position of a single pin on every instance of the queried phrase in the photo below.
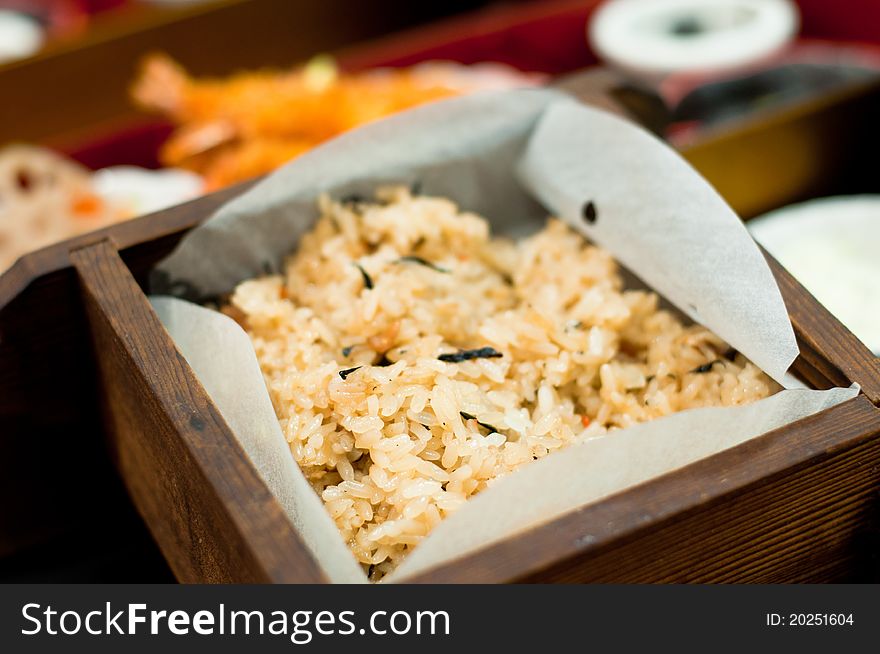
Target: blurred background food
(47, 197)
(831, 245)
(250, 123)
(81, 71)
(226, 130)
(708, 62)
(221, 91)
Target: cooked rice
(393, 438)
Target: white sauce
(20, 35)
(832, 247)
(138, 191)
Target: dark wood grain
(208, 509)
(48, 418)
(787, 506)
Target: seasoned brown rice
(413, 360)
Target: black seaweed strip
(706, 367)
(484, 425)
(423, 262)
(345, 373)
(467, 355)
(353, 198)
(368, 281)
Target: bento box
(795, 504)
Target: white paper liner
(663, 222)
(221, 355)
(494, 153)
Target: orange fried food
(251, 123)
(249, 158)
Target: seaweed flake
(411, 258)
(467, 355)
(368, 281)
(706, 367)
(484, 425)
(416, 188)
(589, 212)
(353, 199)
(345, 373)
(346, 351)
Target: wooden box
(83, 355)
